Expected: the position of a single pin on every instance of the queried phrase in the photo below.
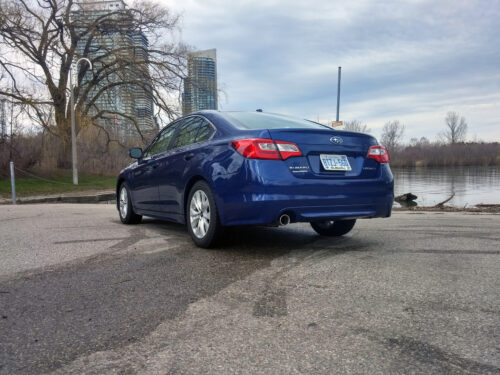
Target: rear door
(183, 153)
(329, 153)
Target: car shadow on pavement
(264, 239)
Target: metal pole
(13, 182)
(73, 132)
(11, 124)
(338, 95)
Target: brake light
(379, 153)
(257, 148)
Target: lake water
(471, 185)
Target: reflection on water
(471, 185)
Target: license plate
(335, 162)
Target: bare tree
(423, 141)
(456, 128)
(392, 135)
(40, 41)
(356, 126)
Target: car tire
(202, 218)
(125, 209)
(333, 228)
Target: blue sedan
(214, 169)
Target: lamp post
(338, 95)
(73, 132)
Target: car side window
(161, 143)
(205, 132)
(187, 132)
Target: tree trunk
(64, 144)
(64, 153)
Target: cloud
(411, 61)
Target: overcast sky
(410, 61)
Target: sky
(411, 61)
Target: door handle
(155, 165)
(188, 157)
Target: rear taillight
(288, 149)
(257, 148)
(379, 153)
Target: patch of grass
(26, 187)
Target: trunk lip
(348, 138)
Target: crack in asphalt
(21, 217)
(90, 240)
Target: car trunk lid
(330, 154)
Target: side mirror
(135, 153)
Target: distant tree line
(438, 154)
(450, 149)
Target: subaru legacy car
(214, 169)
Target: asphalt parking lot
(82, 293)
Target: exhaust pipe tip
(284, 219)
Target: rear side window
(161, 143)
(187, 132)
(205, 131)
(258, 120)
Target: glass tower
(200, 86)
(119, 54)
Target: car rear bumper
(265, 194)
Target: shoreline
(480, 208)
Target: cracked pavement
(82, 293)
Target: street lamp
(73, 132)
(338, 95)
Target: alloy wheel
(123, 202)
(199, 213)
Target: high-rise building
(119, 51)
(200, 86)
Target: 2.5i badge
(299, 168)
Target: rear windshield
(259, 120)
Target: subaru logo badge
(336, 140)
